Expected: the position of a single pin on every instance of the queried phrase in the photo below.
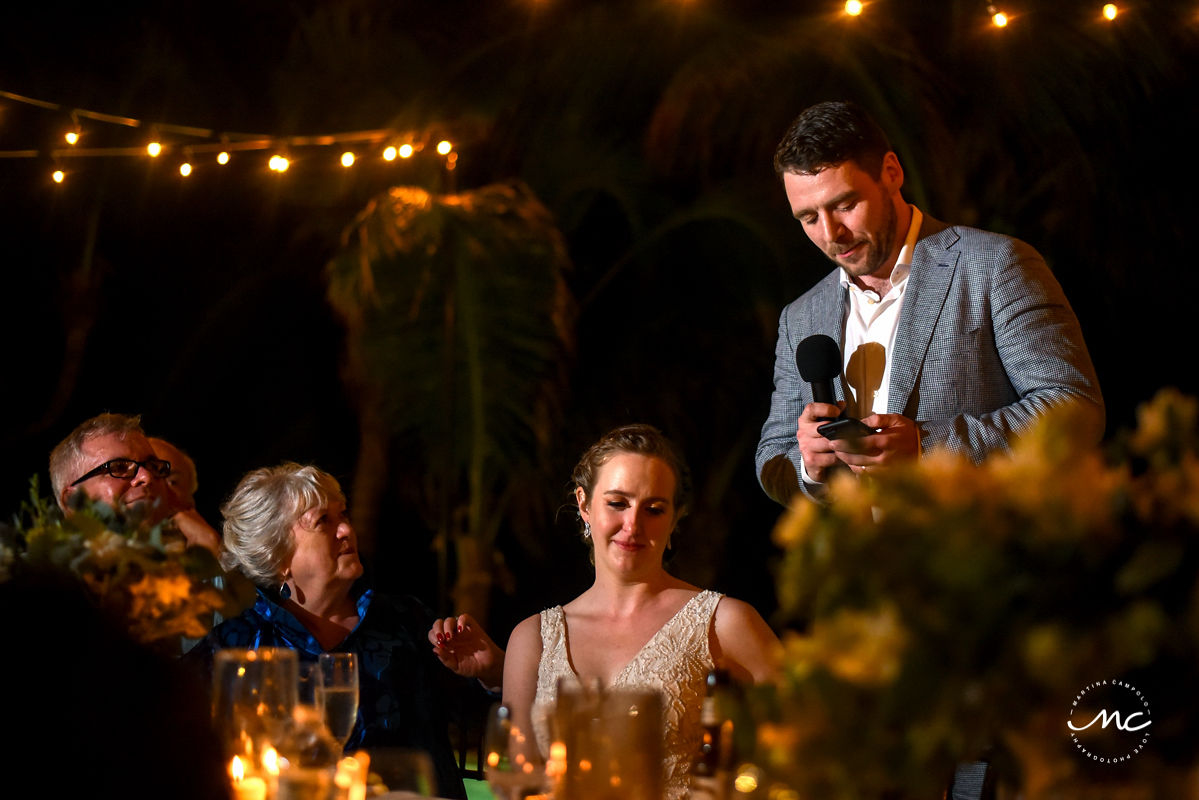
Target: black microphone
(818, 360)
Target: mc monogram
(1125, 725)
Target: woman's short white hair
(261, 512)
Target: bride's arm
(743, 643)
(520, 677)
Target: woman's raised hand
(464, 647)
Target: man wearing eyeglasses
(110, 460)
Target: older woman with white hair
(286, 528)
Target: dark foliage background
(646, 128)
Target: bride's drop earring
(586, 529)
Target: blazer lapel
(933, 266)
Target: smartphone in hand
(846, 428)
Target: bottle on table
(712, 767)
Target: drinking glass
(337, 693)
(612, 740)
(511, 762)
(309, 685)
(254, 694)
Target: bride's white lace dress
(675, 661)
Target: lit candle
(245, 787)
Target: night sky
(646, 128)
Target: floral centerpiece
(947, 612)
(141, 576)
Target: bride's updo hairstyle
(260, 513)
(643, 440)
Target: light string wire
(407, 142)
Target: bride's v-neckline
(619, 675)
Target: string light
(998, 18)
(221, 145)
(185, 169)
(444, 147)
(853, 7)
(58, 176)
(1110, 11)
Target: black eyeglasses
(126, 468)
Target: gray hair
(66, 459)
(260, 513)
(183, 467)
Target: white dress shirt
(870, 326)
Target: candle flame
(270, 760)
(237, 770)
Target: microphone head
(818, 358)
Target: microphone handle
(822, 392)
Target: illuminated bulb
(1110, 11)
(72, 137)
(853, 7)
(154, 149)
(389, 153)
(279, 163)
(222, 157)
(406, 151)
(999, 19)
(444, 147)
(59, 176)
(347, 159)
(185, 169)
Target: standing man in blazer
(950, 337)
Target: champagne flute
(337, 693)
(511, 761)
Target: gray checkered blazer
(986, 342)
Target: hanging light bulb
(347, 159)
(1110, 11)
(154, 149)
(72, 137)
(389, 153)
(853, 7)
(444, 147)
(58, 176)
(185, 169)
(406, 151)
(279, 163)
(222, 157)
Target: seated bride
(637, 625)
